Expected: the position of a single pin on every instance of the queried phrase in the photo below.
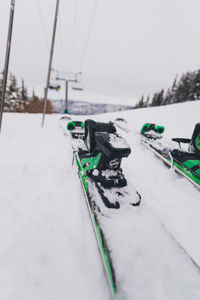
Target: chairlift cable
(43, 25)
(88, 36)
(62, 56)
(74, 33)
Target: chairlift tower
(72, 77)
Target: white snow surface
(117, 141)
(48, 249)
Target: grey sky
(136, 46)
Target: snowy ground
(47, 245)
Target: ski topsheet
(184, 162)
(101, 201)
(102, 243)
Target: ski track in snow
(47, 246)
(148, 263)
(147, 260)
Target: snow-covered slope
(47, 245)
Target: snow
(118, 141)
(47, 248)
(47, 244)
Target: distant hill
(87, 108)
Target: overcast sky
(136, 46)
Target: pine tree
(158, 98)
(184, 88)
(12, 96)
(140, 104)
(194, 92)
(24, 96)
(168, 97)
(174, 85)
(147, 102)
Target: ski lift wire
(43, 25)
(62, 56)
(76, 3)
(88, 36)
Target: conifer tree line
(186, 88)
(17, 99)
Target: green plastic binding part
(91, 163)
(149, 126)
(72, 125)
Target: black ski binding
(102, 157)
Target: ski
(182, 154)
(122, 124)
(62, 124)
(98, 151)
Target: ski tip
(65, 118)
(137, 203)
(121, 120)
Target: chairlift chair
(77, 86)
